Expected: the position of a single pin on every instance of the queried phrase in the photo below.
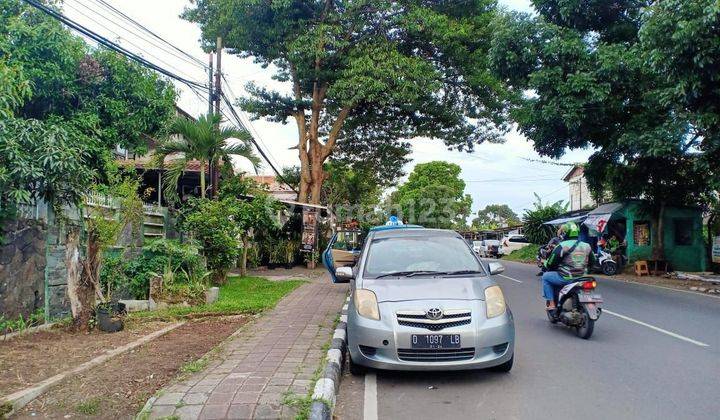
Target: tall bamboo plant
(202, 140)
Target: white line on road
(658, 329)
(510, 278)
(370, 409)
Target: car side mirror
(344, 273)
(495, 268)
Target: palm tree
(202, 140)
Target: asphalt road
(655, 354)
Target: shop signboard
(309, 230)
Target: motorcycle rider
(570, 259)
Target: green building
(683, 232)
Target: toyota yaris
(422, 300)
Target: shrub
(533, 228)
(212, 224)
(180, 264)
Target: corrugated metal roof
(607, 208)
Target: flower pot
(109, 317)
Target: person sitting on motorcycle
(570, 259)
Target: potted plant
(311, 259)
(275, 254)
(290, 249)
(109, 316)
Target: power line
(153, 34)
(121, 22)
(252, 139)
(247, 123)
(109, 44)
(160, 60)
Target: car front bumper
(485, 343)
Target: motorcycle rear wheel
(586, 329)
(609, 268)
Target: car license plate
(435, 341)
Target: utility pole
(210, 84)
(211, 101)
(215, 173)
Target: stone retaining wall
(22, 267)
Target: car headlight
(494, 301)
(366, 304)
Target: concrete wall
(580, 197)
(22, 267)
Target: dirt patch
(31, 358)
(119, 388)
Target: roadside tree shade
(365, 74)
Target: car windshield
(415, 254)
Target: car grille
(436, 355)
(417, 319)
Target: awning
(563, 220)
(597, 222)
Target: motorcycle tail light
(588, 285)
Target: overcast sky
(494, 173)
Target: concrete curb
(326, 388)
(19, 399)
(42, 327)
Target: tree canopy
(601, 75)
(364, 72)
(100, 97)
(494, 216)
(433, 196)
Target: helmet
(571, 230)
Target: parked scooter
(605, 263)
(578, 306)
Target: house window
(683, 231)
(641, 233)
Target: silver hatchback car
(422, 300)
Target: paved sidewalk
(276, 354)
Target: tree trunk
(243, 259)
(80, 294)
(202, 179)
(659, 243)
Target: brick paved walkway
(266, 359)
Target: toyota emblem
(434, 313)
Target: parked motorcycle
(605, 263)
(578, 306)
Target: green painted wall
(691, 257)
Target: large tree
(364, 72)
(583, 78)
(433, 196)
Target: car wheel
(505, 367)
(355, 369)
